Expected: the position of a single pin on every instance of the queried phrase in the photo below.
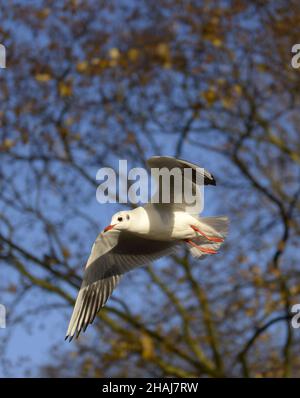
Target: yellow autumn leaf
(210, 96)
(167, 65)
(237, 89)
(213, 38)
(258, 280)
(43, 77)
(217, 42)
(227, 102)
(262, 67)
(82, 66)
(281, 245)
(221, 81)
(7, 144)
(250, 312)
(113, 62)
(100, 63)
(104, 63)
(114, 53)
(65, 252)
(275, 271)
(65, 89)
(256, 270)
(64, 132)
(163, 50)
(133, 54)
(294, 289)
(147, 346)
(130, 139)
(42, 14)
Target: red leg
(210, 238)
(202, 249)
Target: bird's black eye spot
(120, 218)
(127, 217)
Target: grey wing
(90, 300)
(113, 254)
(197, 178)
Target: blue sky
(30, 342)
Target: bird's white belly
(169, 226)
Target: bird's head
(120, 221)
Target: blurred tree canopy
(90, 82)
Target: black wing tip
(210, 180)
(69, 338)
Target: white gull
(139, 236)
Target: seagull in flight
(142, 235)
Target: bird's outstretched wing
(203, 177)
(113, 253)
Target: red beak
(109, 227)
